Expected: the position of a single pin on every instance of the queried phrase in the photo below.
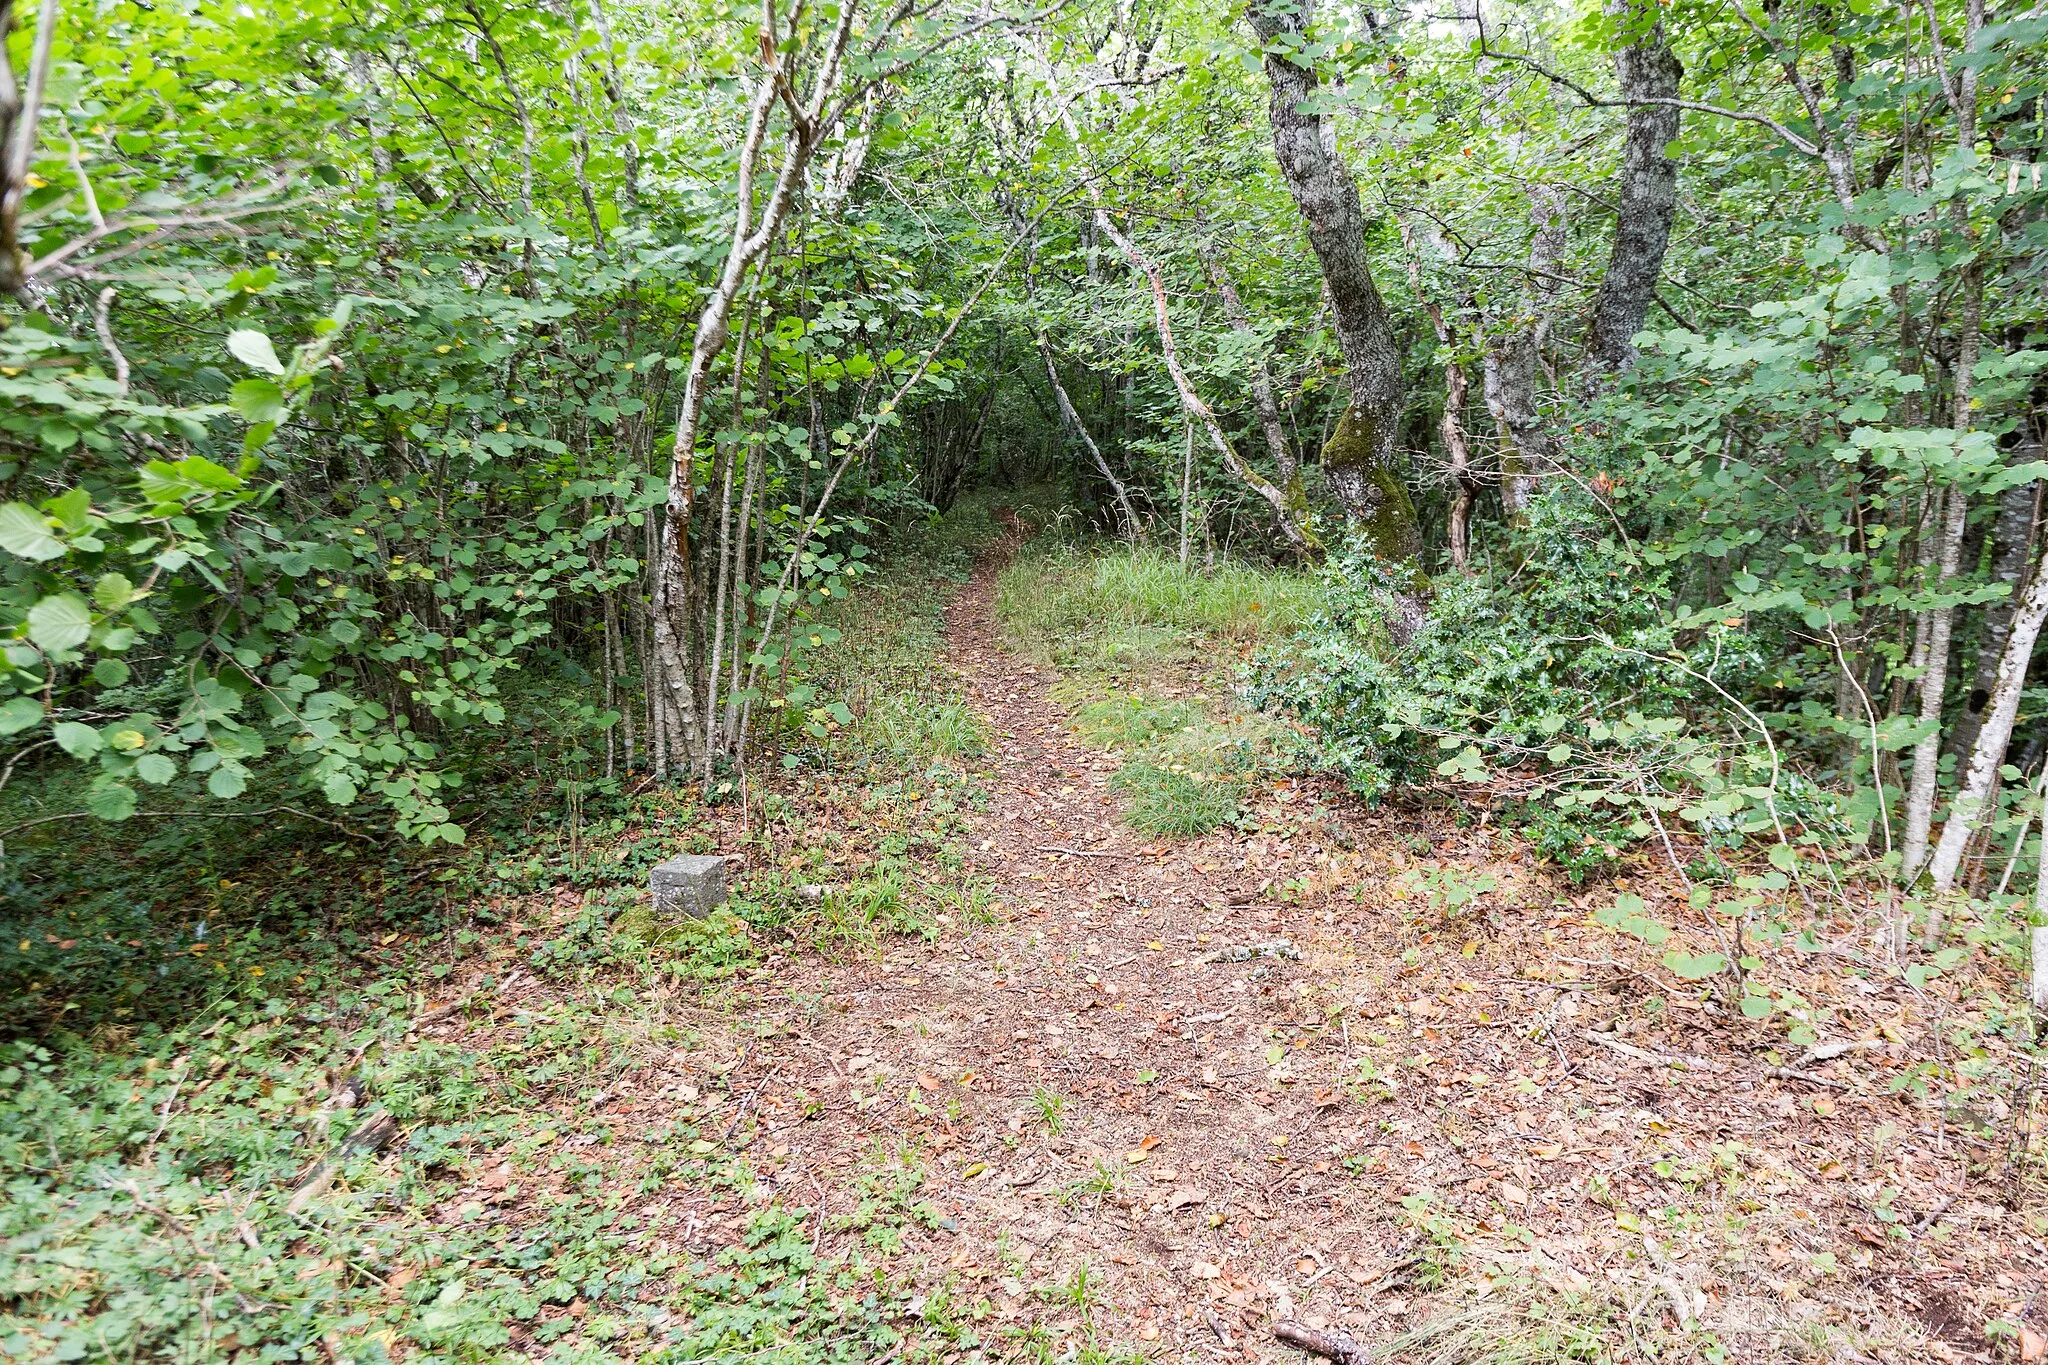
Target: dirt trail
(1212, 1129)
(1096, 998)
(1179, 1089)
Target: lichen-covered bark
(1646, 196)
(1378, 501)
(1358, 462)
(1513, 359)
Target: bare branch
(102, 323)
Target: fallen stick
(1654, 1058)
(1337, 1346)
(1276, 947)
(373, 1134)
(1788, 1073)
(1078, 852)
(1841, 1047)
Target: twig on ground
(1273, 947)
(1788, 1073)
(1654, 1058)
(1337, 1346)
(373, 1134)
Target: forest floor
(980, 1072)
(1170, 1091)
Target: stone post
(693, 885)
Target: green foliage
(1569, 692)
(1447, 890)
(147, 1212)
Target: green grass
(1119, 623)
(1052, 1107)
(1135, 607)
(1176, 802)
(1130, 721)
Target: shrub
(1556, 688)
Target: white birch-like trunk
(1980, 780)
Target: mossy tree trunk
(1358, 460)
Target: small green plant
(1445, 1238)
(1051, 1107)
(1447, 890)
(1101, 1182)
(1175, 800)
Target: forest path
(1108, 1042)
(1169, 1091)
(1149, 1129)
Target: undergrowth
(193, 1025)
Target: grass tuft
(1175, 801)
(1132, 722)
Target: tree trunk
(1187, 491)
(1647, 194)
(1263, 401)
(1451, 427)
(1071, 419)
(1358, 461)
(1920, 796)
(1513, 360)
(2012, 536)
(679, 589)
(1299, 537)
(1980, 780)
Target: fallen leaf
(1135, 1157)
(972, 1171)
(1184, 1198)
(1203, 1270)
(1823, 1106)
(2033, 1346)
(1513, 1193)
(928, 1082)
(1149, 1141)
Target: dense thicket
(360, 366)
